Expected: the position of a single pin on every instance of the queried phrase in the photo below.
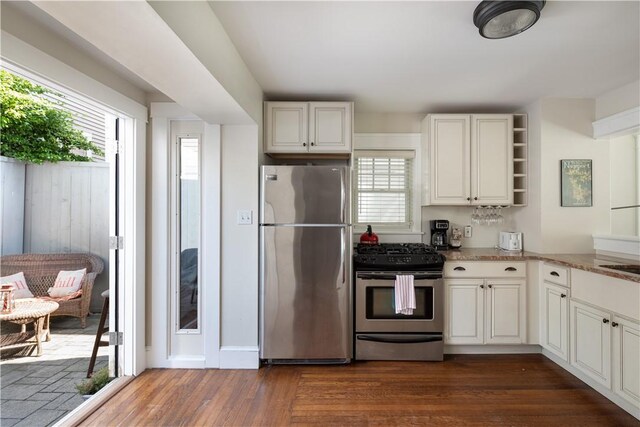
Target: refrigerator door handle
(342, 196)
(342, 255)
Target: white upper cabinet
(492, 159)
(286, 127)
(450, 159)
(470, 159)
(330, 127)
(308, 127)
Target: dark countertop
(587, 262)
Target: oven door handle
(400, 340)
(387, 276)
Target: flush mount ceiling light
(500, 19)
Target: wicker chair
(41, 270)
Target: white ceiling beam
(133, 34)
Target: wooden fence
(67, 210)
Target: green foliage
(95, 383)
(34, 129)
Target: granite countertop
(587, 262)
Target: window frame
(407, 190)
(390, 142)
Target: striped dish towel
(405, 295)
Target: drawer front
(499, 269)
(555, 274)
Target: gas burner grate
(395, 249)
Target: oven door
(375, 303)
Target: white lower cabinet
(504, 316)
(485, 311)
(555, 319)
(626, 359)
(591, 342)
(606, 347)
(464, 321)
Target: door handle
(605, 320)
(400, 340)
(510, 269)
(555, 273)
(563, 295)
(460, 269)
(614, 324)
(342, 256)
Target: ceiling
(424, 57)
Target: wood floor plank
(473, 390)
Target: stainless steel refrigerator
(305, 264)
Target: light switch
(245, 217)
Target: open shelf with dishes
(520, 148)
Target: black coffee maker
(439, 238)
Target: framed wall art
(576, 183)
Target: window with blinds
(383, 185)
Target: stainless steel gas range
(380, 333)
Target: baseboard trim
(492, 349)
(239, 357)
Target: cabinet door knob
(563, 295)
(460, 269)
(555, 273)
(468, 198)
(490, 286)
(510, 269)
(481, 286)
(304, 144)
(475, 198)
(312, 144)
(614, 324)
(605, 320)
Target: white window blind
(383, 185)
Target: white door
(492, 159)
(626, 359)
(464, 302)
(555, 306)
(286, 127)
(591, 342)
(330, 127)
(504, 312)
(449, 147)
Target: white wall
(566, 134)
(618, 100)
(387, 122)
(483, 236)
(239, 255)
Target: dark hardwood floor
(514, 390)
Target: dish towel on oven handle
(405, 294)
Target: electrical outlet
(467, 231)
(245, 217)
